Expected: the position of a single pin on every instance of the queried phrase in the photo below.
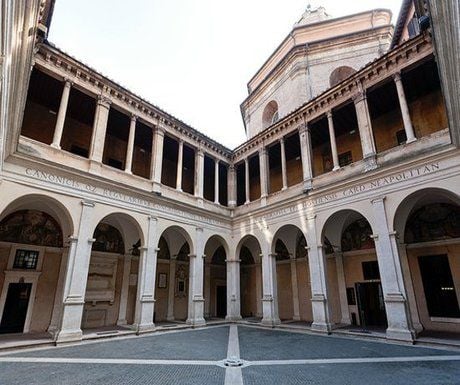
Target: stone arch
(291, 275)
(339, 74)
(352, 270)
(34, 230)
(215, 277)
(46, 204)
(110, 297)
(415, 201)
(248, 251)
(427, 223)
(270, 114)
(173, 272)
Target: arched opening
(172, 281)
(355, 289)
(270, 115)
(215, 278)
(429, 224)
(32, 263)
(111, 288)
(293, 275)
(340, 74)
(248, 252)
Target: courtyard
(232, 354)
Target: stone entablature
(58, 63)
(389, 64)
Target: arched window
(270, 114)
(339, 74)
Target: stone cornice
(73, 69)
(394, 61)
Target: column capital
(133, 117)
(397, 76)
(67, 82)
(159, 130)
(87, 203)
(103, 101)
(329, 114)
(378, 199)
(303, 129)
(152, 218)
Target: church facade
(340, 212)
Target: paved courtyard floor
(231, 355)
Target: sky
(191, 58)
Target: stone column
(124, 290)
(59, 128)
(145, 303)
(335, 155)
(259, 290)
(365, 129)
(207, 289)
(269, 297)
(76, 278)
(199, 181)
(283, 164)
(59, 294)
(233, 290)
(171, 287)
(157, 158)
(99, 129)
(404, 109)
(318, 277)
(180, 157)
(399, 322)
(342, 289)
(411, 301)
(306, 155)
(263, 163)
(216, 181)
(196, 300)
(246, 180)
(231, 185)
(130, 147)
(295, 290)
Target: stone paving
(231, 355)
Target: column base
(66, 336)
(296, 318)
(404, 335)
(270, 321)
(307, 186)
(411, 140)
(156, 188)
(233, 318)
(144, 328)
(321, 327)
(196, 322)
(370, 162)
(95, 167)
(122, 322)
(336, 168)
(56, 146)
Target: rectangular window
(371, 270)
(438, 285)
(25, 259)
(345, 159)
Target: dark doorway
(15, 311)
(371, 306)
(438, 286)
(221, 301)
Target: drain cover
(233, 362)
